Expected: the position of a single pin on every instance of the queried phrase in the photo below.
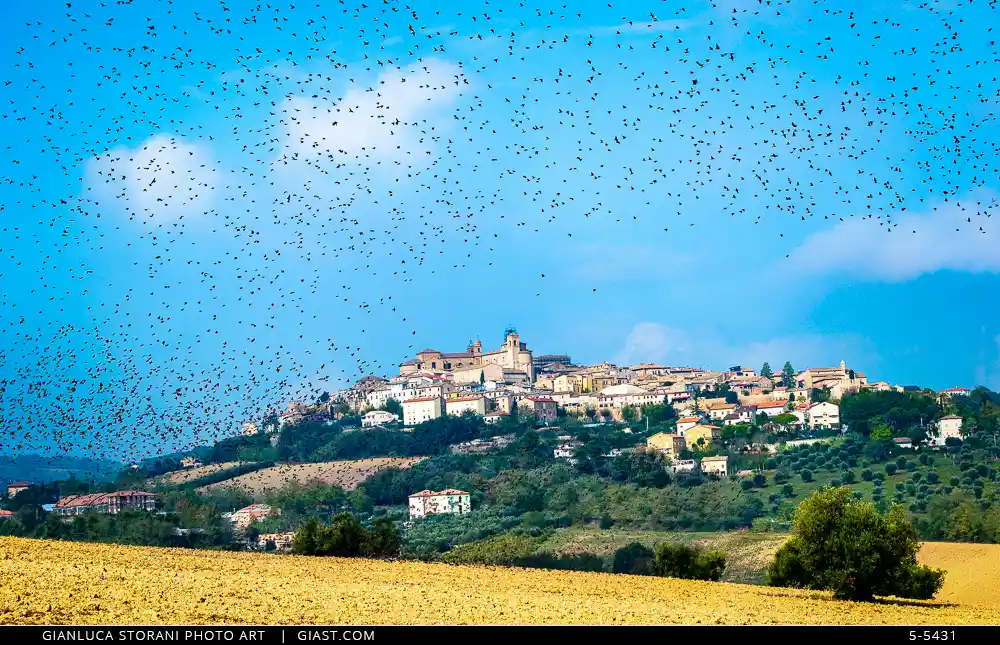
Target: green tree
(845, 545)
(304, 542)
(628, 413)
(689, 562)
(634, 559)
(766, 370)
(393, 406)
(788, 375)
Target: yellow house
(669, 444)
(702, 431)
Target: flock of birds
(199, 202)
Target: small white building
(683, 466)
(687, 422)
(495, 417)
(718, 466)
(378, 418)
(446, 502)
(566, 450)
(421, 409)
(948, 427)
(249, 428)
(824, 415)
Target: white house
(687, 422)
(566, 450)
(446, 502)
(683, 465)
(771, 408)
(718, 466)
(824, 415)
(495, 417)
(719, 411)
(948, 427)
(421, 409)
(378, 418)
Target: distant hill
(42, 468)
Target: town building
(706, 433)
(838, 380)
(772, 408)
(110, 503)
(190, 462)
(719, 411)
(688, 422)
(823, 415)
(378, 418)
(514, 357)
(458, 406)
(718, 466)
(416, 411)
(249, 429)
(14, 488)
(495, 417)
(446, 502)
(668, 444)
(543, 408)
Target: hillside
(80, 583)
(191, 474)
(346, 474)
(42, 468)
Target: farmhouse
(14, 488)
(542, 407)
(378, 418)
(446, 502)
(949, 427)
(248, 515)
(110, 503)
(718, 466)
(823, 415)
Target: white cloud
(917, 244)
(656, 343)
(384, 122)
(164, 178)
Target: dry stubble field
(75, 583)
(346, 474)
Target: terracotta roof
(950, 416)
(458, 355)
(715, 458)
(497, 414)
(464, 398)
(72, 501)
(956, 389)
(18, 484)
(687, 419)
(429, 351)
(4, 513)
(447, 491)
(540, 399)
(772, 404)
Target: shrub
(634, 559)
(890, 469)
(689, 562)
(849, 477)
(867, 474)
(746, 484)
(787, 490)
(806, 475)
(847, 546)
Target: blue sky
(207, 210)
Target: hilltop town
(505, 441)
